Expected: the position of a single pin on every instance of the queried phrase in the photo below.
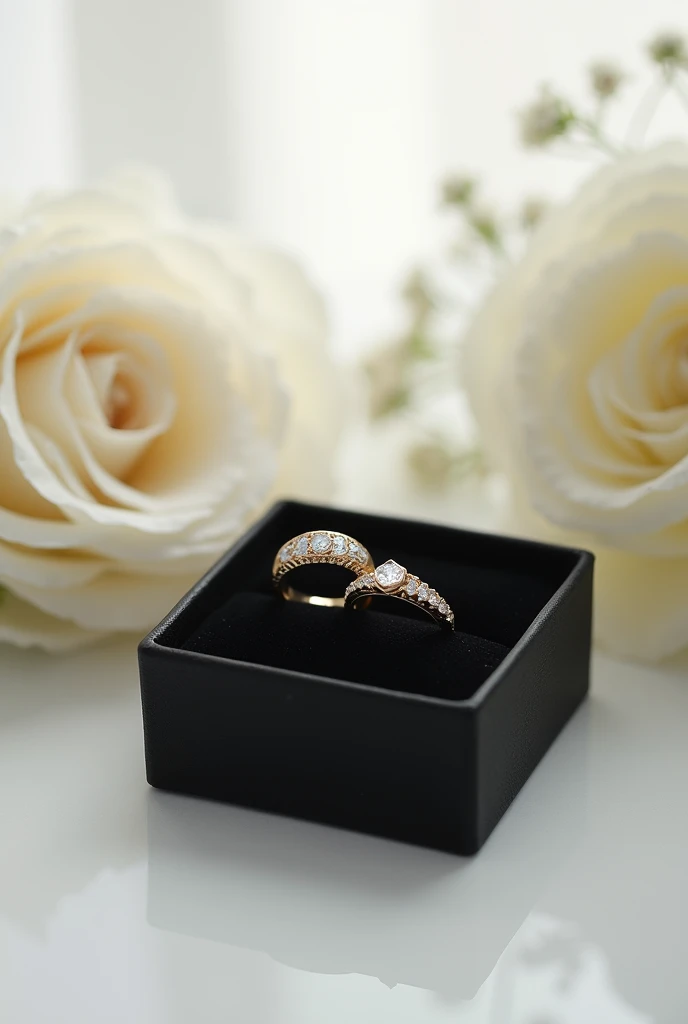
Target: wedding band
(314, 548)
(392, 580)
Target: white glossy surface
(119, 904)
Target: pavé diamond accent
(356, 552)
(317, 546)
(393, 578)
(320, 543)
(390, 574)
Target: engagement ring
(392, 580)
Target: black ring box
(377, 720)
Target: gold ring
(392, 580)
(313, 548)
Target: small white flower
(417, 293)
(545, 119)
(669, 49)
(577, 370)
(431, 463)
(605, 79)
(458, 190)
(532, 212)
(387, 372)
(485, 225)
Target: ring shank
(362, 601)
(409, 589)
(292, 594)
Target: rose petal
(116, 600)
(564, 489)
(18, 496)
(26, 626)
(48, 569)
(190, 472)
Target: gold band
(392, 580)
(315, 548)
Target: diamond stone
(390, 575)
(285, 553)
(302, 546)
(339, 545)
(355, 552)
(433, 597)
(411, 587)
(423, 592)
(443, 608)
(320, 543)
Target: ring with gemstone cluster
(392, 580)
(317, 547)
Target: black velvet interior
(496, 586)
(407, 654)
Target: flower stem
(598, 138)
(679, 89)
(642, 119)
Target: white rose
(159, 379)
(577, 369)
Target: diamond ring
(392, 580)
(313, 548)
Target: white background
(323, 126)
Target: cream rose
(577, 369)
(159, 379)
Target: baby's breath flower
(416, 292)
(484, 223)
(431, 463)
(605, 79)
(669, 50)
(386, 370)
(458, 190)
(436, 463)
(532, 212)
(545, 119)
